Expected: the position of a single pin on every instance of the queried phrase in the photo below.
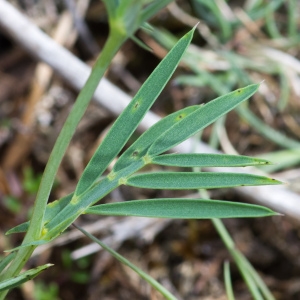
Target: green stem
(224, 234)
(114, 42)
(111, 47)
(228, 283)
(249, 274)
(127, 263)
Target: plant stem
(112, 45)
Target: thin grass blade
(52, 210)
(128, 121)
(151, 9)
(26, 276)
(200, 119)
(181, 209)
(25, 245)
(111, 7)
(6, 260)
(246, 265)
(141, 43)
(268, 132)
(196, 180)
(18, 229)
(207, 160)
(228, 282)
(247, 276)
(127, 263)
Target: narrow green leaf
(141, 43)
(247, 276)
(52, 210)
(141, 145)
(33, 243)
(258, 281)
(265, 130)
(200, 119)
(6, 260)
(55, 207)
(200, 180)
(150, 10)
(181, 209)
(25, 276)
(228, 282)
(127, 263)
(111, 7)
(129, 119)
(18, 229)
(207, 160)
(128, 16)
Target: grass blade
(141, 145)
(200, 119)
(52, 210)
(181, 209)
(127, 263)
(228, 283)
(207, 160)
(6, 260)
(151, 9)
(18, 229)
(247, 276)
(128, 121)
(268, 132)
(25, 276)
(200, 180)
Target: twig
(76, 72)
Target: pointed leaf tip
(201, 119)
(22, 278)
(132, 115)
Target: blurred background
(236, 43)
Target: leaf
(25, 276)
(151, 9)
(141, 145)
(200, 119)
(207, 160)
(6, 260)
(228, 282)
(33, 243)
(52, 210)
(128, 16)
(111, 7)
(196, 180)
(180, 208)
(18, 229)
(141, 43)
(129, 119)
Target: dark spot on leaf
(180, 116)
(135, 153)
(136, 105)
(238, 91)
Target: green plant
(49, 221)
(46, 292)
